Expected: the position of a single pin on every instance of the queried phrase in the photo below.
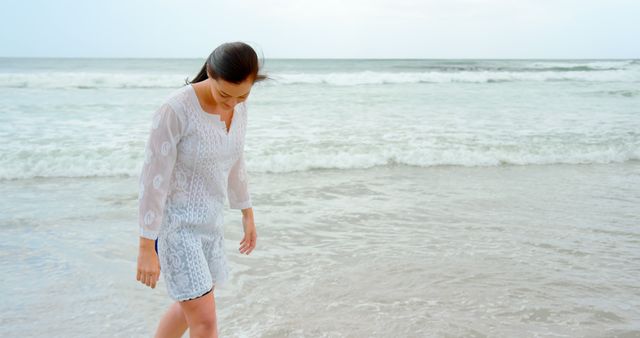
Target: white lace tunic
(192, 165)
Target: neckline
(215, 117)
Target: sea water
(392, 198)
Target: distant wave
(589, 65)
(90, 80)
(95, 80)
(61, 162)
(630, 93)
(471, 68)
(625, 93)
(519, 66)
(369, 77)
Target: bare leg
(173, 324)
(201, 316)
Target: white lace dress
(192, 165)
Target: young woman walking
(193, 163)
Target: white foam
(370, 77)
(89, 80)
(61, 162)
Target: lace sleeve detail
(159, 161)
(238, 185)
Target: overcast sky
(323, 28)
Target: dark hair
(233, 62)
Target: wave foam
(88, 80)
(369, 77)
(57, 163)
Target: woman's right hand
(148, 263)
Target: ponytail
(202, 75)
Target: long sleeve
(238, 185)
(160, 158)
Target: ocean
(392, 198)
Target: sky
(497, 29)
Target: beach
(392, 198)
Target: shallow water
(390, 251)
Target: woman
(194, 162)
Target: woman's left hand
(248, 243)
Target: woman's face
(228, 94)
